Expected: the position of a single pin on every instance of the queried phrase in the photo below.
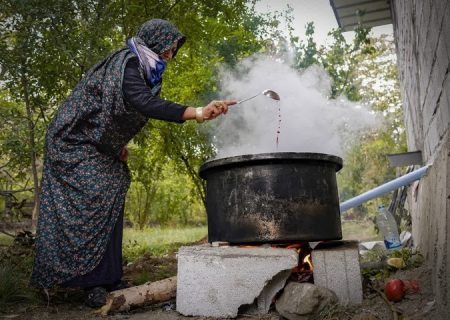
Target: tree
(367, 165)
(48, 45)
(217, 33)
(41, 61)
(21, 41)
(363, 70)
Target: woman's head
(162, 37)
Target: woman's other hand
(124, 154)
(216, 108)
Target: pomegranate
(395, 290)
(411, 286)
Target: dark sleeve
(137, 94)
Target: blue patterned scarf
(153, 38)
(152, 65)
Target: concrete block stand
(216, 281)
(336, 267)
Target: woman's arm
(137, 94)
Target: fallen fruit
(395, 290)
(398, 263)
(411, 286)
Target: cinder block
(216, 281)
(336, 267)
(264, 300)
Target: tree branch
(63, 47)
(7, 233)
(164, 15)
(5, 165)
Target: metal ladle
(268, 93)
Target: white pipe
(384, 188)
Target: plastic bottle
(388, 228)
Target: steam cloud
(310, 122)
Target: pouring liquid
(279, 126)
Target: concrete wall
(422, 32)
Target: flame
(294, 246)
(305, 266)
(308, 261)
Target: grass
(5, 240)
(362, 230)
(13, 286)
(158, 241)
(15, 268)
(162, 241)
(16, 261)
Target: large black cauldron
(273, 198)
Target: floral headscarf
(159, 35)
(153, 38)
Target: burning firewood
(146, 294)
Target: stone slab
(337, 268)
(215, 282)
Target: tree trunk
(32, 144)
(146, 294)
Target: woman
(85, 179)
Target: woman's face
(168, 54)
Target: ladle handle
(240, 101)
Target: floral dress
(84, 183)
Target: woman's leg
(106, 274)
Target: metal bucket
(273, 198)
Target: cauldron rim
(274, 156)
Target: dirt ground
(65, 305)
(69, 305)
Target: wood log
(139, 296)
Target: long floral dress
(84, 182)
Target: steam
(310, 122)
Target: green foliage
(41, 61)
(366, 165)
(14, 149)
(9, 290)
(141, 278)
(13, 286)
(217, 33)
(306, 54)
(47, 46)
(15, 270)
(410, 256)
(5, 240)
(162, 196)
(158, 241)
(361, 70)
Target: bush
(13, 286)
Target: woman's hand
(211, 111)
(216, 108)
(124, 154)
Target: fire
(307, 261)
(304, 271)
